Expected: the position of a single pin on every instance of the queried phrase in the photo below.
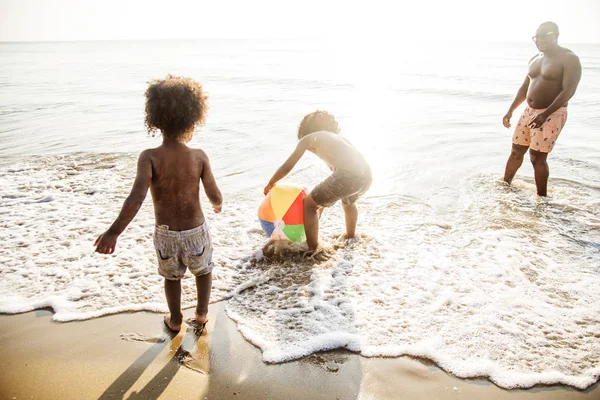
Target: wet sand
(133, 356)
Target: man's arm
(519, 98)
(571, 78)
(106, 242)
(210, 185)
(521, 95)
(289, 164)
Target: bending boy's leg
(311, 222)
(541, 171)
(514, 162)
(173, 294)
(351, 214)
(203, 288)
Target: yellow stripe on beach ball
(282, 197)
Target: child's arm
(107, 242)
(210, 185)
(288, 165)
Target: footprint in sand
(138, 337)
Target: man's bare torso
(337, 152)
(546, 78)
(175, 187)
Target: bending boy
(351, 178)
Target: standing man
(552, 80)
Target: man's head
(175, 106)
(546, 36)
(317, 121)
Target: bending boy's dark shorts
(342, 184)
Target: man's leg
(311, 222)
(541, 171)
(173, 294)
(514, 162)
(203, 288)
(351, 214)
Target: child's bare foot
(172, 326)
(198, 322)
(200, 319)
(319, 254)
(347, 240)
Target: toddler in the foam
(173, 172)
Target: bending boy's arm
(210, 185)
(288, 165)
(107, 241)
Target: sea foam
(499, 285)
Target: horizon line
(257, 38)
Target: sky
(394, 21)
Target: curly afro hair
(317, 121)
(175, 106)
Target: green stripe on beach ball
(295, 232)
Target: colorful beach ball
(281, 213)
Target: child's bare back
(176, 174)
(336, 151)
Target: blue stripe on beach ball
(268, 227)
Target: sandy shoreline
(131, 356)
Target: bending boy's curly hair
(317, 121)
(174, 106)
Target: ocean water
(451, 264)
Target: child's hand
(106, 243)
(217, 209)
(268, 188)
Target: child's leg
(351, 214)
(311, 222)
(173, 294)
(203, 288)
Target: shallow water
(451, 265)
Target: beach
(131, 356)
(492, 289)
